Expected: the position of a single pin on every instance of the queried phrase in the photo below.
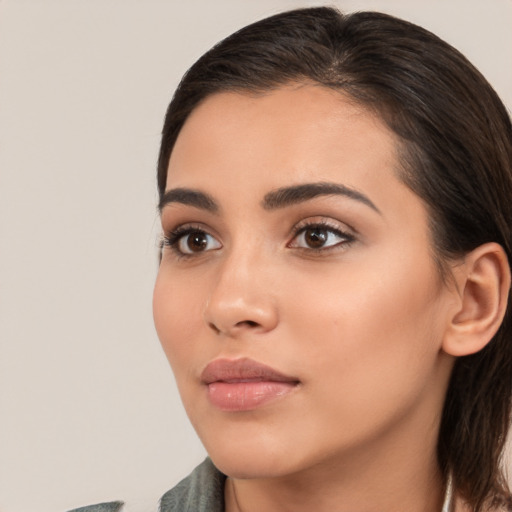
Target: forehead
(288, 132)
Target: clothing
(201, 491)
(113, 506)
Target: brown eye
(195, 242)
(316, 237)
(319, 237)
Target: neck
(395, 476)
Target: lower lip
(245, 396)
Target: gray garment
(113, 506)
(201, 491)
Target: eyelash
(172, 239)
(323, 225)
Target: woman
(332, 293)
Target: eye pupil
(197, 241)
(315, 237)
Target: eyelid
(326, 221)
(172, 238)
(347, 236)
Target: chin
(251, 466)
(251, 456)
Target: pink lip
(244, 384)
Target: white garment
(448, 497)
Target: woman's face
(297, 298)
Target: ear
(483, 283)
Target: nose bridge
(241, 297)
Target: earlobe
(483, 283)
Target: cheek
(370, 324)
(368, 351)
(177, 314)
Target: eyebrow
(279, 198)
(190, 197)
(295, 194)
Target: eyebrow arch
(190, 197)
(295, 194)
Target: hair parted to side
(456, 154)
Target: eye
(188, 241)
(320, 236)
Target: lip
(244, 384)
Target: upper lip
(242, 370)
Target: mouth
(244, 384)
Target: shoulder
(201, 491)
(112, 506)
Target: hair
(455, 152)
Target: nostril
(244, 323)
(248, 323)
(214, 327)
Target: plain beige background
(88, 407)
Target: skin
(359, 322)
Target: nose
(242, 300)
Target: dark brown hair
(456, 154)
